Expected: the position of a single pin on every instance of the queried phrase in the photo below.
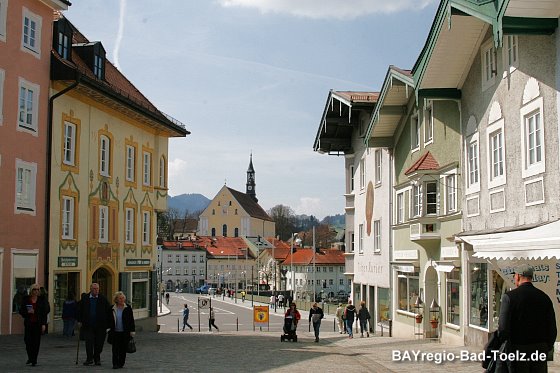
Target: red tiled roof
(426, 162)
(323, 257)
(181, 245)
(224, 246)
(277, 243)
(280, 253)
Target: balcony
(349, 206)
(425, 230)
(349, 264)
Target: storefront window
(499, 290)
(408, 290)
(479, 294)
(383, 304)
(25, 272)
(453, 309)
(140, 290)
(64, 283)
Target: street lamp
(294, 235)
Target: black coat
(41, 311)
(127, 316)
(103, 312)
(318, 311)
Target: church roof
(249, 205)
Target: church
(236, 214)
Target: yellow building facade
(108, 172)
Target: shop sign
(405, 254)
(67, 261)
(137, 262)
(450, 252)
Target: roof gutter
(49, 172)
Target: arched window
(213, 232)
(236, 234)
(224, 230)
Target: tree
(325, 236)
(284, 218)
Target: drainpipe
(48, 174)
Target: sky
(253, 76)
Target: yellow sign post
(260, 316)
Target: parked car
(203, 289)
(211, 291)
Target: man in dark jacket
(315, 316)
(94, 312)
(527, 322)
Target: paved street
(245, 350)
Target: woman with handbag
(122, 329)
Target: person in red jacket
(291, 319)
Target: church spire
(251, 180)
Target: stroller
(290, 326)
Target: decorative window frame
(362, 173)
(129, 225)
(34, 50)
(488, 64)
(510, 53)
(472, 187)
(104, 133)
(492, 129)
(72, 221)
(360, 239)
(147, 173)
(28, 205)
(103, 225)
(32, 128)
(378, 154)
(531, 181)
(490, 194)
(163, 173)
(428, 122)
(131, 181)
(534, 106)
(377, 236)
(450, 190)
(400, 215)
(74, 166)
(414, 133)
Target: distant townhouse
(181, 265)
(108, 171)
(25, 45)
(231, 264)
(270, 259)
(236, 214)
(368, 168)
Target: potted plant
(434, 321)
(418, 318)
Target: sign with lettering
(260, 315)
(137, 262)
(450, 252)
(405, 255)
(67, 261)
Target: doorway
(105, 280)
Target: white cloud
(338, 9)
(309, 206)
(176, 167)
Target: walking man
(528, 322)
(349, 315)
(93, 314)
(280, 300)
(363, 316)
(315, 316)
(339, 320)
(186, 312)
(212, 319)
(166, 298)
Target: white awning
(535, 243)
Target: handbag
(131, 346)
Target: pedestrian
(349, 315)
(363, 317)
(122, 328)
(212, 319)
(186, 312)
(167, 298)
(339, 320)
(315, 316)
(94, 312)
(527, 322)
(34, 309)
(69, 313)
(272, 300)
(280, 300)
(243, 295)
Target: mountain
(188, 202)
(337, 221)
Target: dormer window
(62, 38)
(98, 64)
(94, 55)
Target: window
(104, 155)
(428, 124)
(361, 239)
(377, 236)
(201, 271)
(331, 269)
(169, 258)
(139, 290)
(194, 271)
(496, 174)
(26, 181)
(331, 282)
(489, 67)
(185, 258)
(478, 294)
(417, 200)
(452, 288)
(103, 224)
(341, 281)
(69, 143)
(177, 258)
(145, 228)
(352, 244)
(98, 65)
(3, 16)
(130, 163)
(31, 34)
(362, 173)
(147, 179)
(408, 290)
(24, 269)
(236, 231)
(431, 198)
(63, 38)
(28, 106)
(67, 218)
(510, 49)
(378, 166)
(351, 172)
(451, 193)
(400, 207)
(201, 259)
(162, 175)
(533, 138)
(414, 133)
(129, 225)
(224, 230)
(213, 232)
(473, 184)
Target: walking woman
(34, 310)
(122, 328)
(363, 316)
(212, 320)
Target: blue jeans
(316, 326)
(349, 324)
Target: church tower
(251, 180)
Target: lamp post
(294, 235)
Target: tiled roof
(249, 205)
(427, 162)
(225, 246)
(280, 253)
(277, 243)
(181, 245)
(322, 257)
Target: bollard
(390, 327)
(237, 323)
(177, 325)
(334, 325)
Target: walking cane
(78, 349)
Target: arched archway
(105, 280)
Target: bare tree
(284, 218)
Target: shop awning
(536, 243)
